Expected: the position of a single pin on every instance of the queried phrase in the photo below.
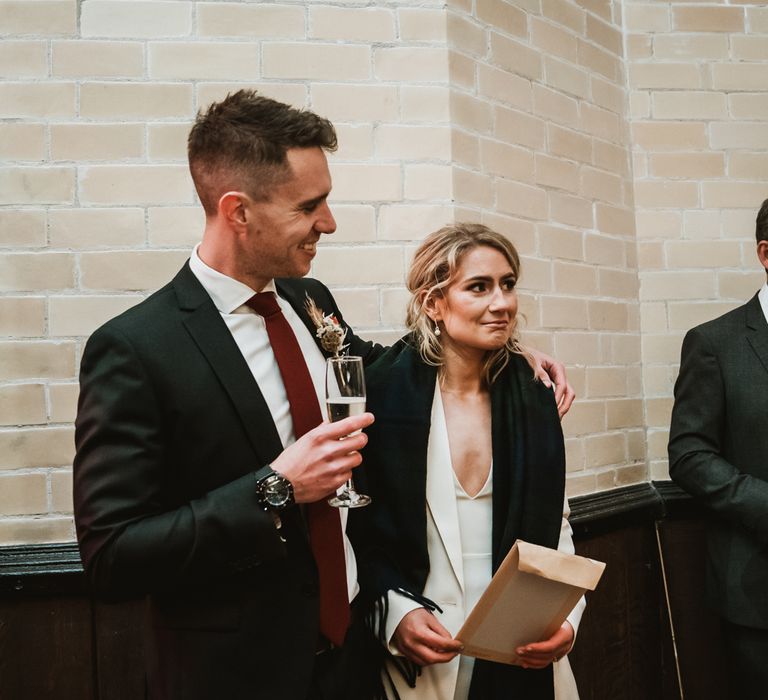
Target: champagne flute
(345, 396)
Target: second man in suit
(718, 452)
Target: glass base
(349, 499)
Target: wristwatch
(274, 491)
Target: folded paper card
(528, 598)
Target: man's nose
(325, 221)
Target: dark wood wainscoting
(646, 632)
(696, 628)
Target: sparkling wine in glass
(345, 397)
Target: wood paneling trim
(593, 508)
(41, 568)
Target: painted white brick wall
(619, 144)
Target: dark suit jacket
(718, 452)
(528, 487)
(170, 432)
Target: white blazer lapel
(441, 495)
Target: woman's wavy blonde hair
(434, 269)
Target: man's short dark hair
(761, 223)
(241, 142)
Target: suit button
(309, 590)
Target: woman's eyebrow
(488, 278)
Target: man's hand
(549, 371)
(320, 461)
(422, 638)
(541, 654)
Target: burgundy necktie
(324, 521)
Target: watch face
(276, 492)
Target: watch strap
(263, 472)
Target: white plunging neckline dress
(475, 527)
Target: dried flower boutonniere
(329, 331)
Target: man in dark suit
(188, 474)
(190, 485)
(718, 452)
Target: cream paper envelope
(528, 598)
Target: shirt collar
(762, 295)
(227, 293)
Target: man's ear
(762, 253)
(232, 208)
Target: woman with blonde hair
(466, 456)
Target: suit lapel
(204, 323)
(757, 330)
(441, 492)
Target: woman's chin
(484, 346)
(497, 340)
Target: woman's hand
(541, 654)
(421, 638)
(549, 371)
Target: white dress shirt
(762, 295)
(250, 334)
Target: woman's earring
(437, 329)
